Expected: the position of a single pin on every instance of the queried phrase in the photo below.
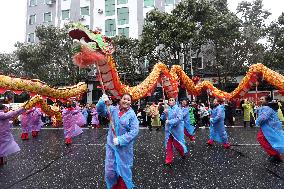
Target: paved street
(46, 162)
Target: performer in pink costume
(7, 143)
(31, 122)
(70, 124)
(95, 118)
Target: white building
(112, 17)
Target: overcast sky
(13, 14)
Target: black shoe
(168, 164)
(275, 159)
(185, 155)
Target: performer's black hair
(267, 98)
(186, 100)
(274, 105)
(128, 95)
(219, 100)
(2, 106)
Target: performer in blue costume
(270, 135)
(217, 128)
(174, 131)
(189, 130)
(119, 148)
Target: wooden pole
(164, 98)
(108, 110)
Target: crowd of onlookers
(243, 114)
(149, 114)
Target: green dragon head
(92, 39)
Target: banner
(251, 96)
(277, 95)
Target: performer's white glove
(211, 120)
(105, 97)
(76, 41)
(167, 122)
(115, 141)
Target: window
(31, 37)
(123, 31)
(110, 7)
(122, 16)
(122, 2)
(210, 63)
(169, 2)
(65, 14)
(32, 19)
(32, 2)
(85, 11)
(47, 17)
(110, 27)
(148, 3)
(49, 2)
(197, 62)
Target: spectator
(248, 112)
(229, 113)
(148, 117)
(155, 116)
(204, 115)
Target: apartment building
(112, 17)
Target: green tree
(254, 29)
(274, 57)
(50, 59)
(192, 28)
(220, 31)
(127, 59)
(9, 64)
(166, 37)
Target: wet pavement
(46, 162)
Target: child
(95, 119)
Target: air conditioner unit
(82, 18)
(51, 2)
(100, 11)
